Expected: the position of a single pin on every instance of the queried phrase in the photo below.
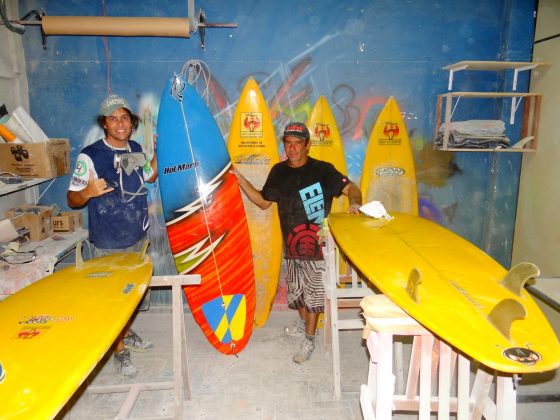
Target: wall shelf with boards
(526, 124)
(529, 120)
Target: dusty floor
(263, 382)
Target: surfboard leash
(203, 204)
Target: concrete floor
(263, 382)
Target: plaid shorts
(305, 284)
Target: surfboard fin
(516, 278)
(144, 249)
(79, 259)
(503, 315)
(414, 281)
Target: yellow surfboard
(253, 151)
(326, 144)
(388, 173)
(55, 331)
(453, 288)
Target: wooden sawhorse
(378, 399)
(180, 383)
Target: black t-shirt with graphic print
(304, 196)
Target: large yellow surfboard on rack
(453, 288)
(326, 144)
(55, 331)
(253, 151)
(388, 173)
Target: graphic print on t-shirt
(302, 241)
(313, 202)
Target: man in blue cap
(113, 189)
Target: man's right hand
(96, 187)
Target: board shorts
(101, 252)
(305, 284)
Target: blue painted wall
(356, 53)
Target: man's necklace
(120, 148)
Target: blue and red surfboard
(205, 219)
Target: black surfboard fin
(516, 278)
(503, 315)
(414, 281)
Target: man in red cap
(303, 188)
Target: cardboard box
(35, 218)
(36, 160)
(67, 221)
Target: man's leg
(314, 294)
(308, 343)
(311, 319)
(294, 294)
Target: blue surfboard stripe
(183, 113)
(214, 314)
(233, 305)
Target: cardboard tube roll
(116, 26)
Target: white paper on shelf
(29, 124)
(7, 231)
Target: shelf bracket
(520, 69)
(514, 105)
(451, 72)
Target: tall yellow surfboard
(388, 173)
(326, 144)
(253, 151)
(55, 331)
(453, 288)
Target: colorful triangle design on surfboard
(226, 316)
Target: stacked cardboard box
(36, 160)
(35, 218)
(67, 221)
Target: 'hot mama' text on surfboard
(180, 168)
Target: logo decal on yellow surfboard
(521, 355)
(389, 171)
(128, 288)
(391, 130)
(2, 373)
(30, 333)
(226, 317)
(44, 319)
(251, 125)
(321, 135)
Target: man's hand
(96, 187)
(354, 209)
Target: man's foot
(307, 347)
(124, 365)
(136, 343)
(297, 329)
